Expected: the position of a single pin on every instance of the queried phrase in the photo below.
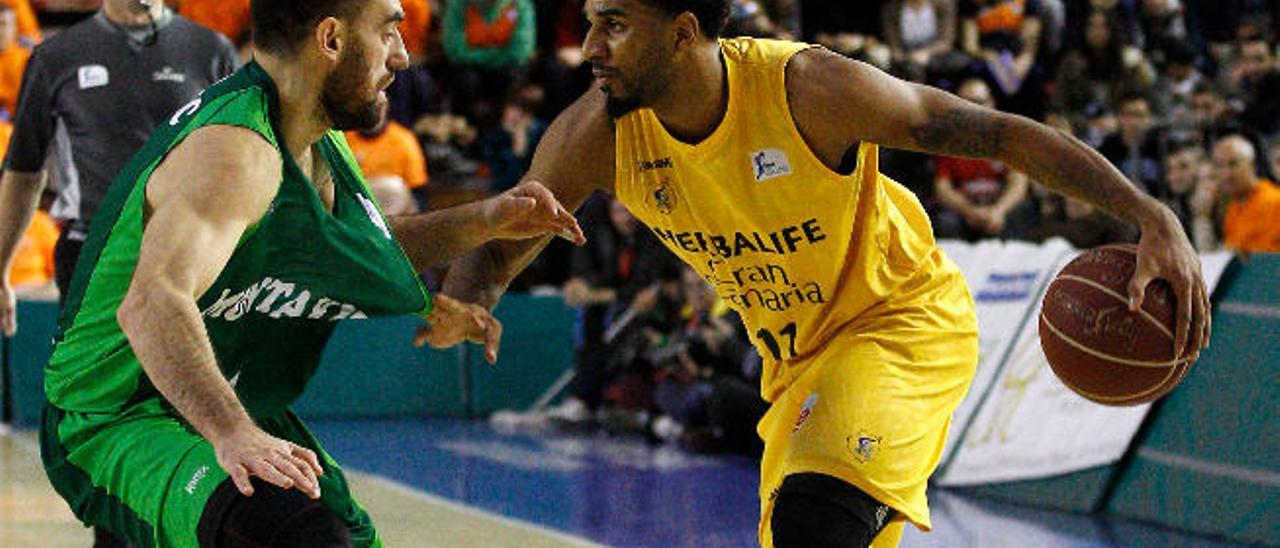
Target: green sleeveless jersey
(293, 275)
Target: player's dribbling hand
(8, 309)
(529, 210)
(452, 321)
(1165, 253)
(252, 452)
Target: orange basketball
(1095, 345)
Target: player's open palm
(253, 452)
(452, 321)
(529, 210)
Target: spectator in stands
(31, 271)
(29, 34)
(13, 61)
(1190, 192)
(749, 18)
(228, 17)
(921, 35)
(1258, 79)
(446, 140)
(1273, 157)
(1134, 149)
(1121, 14)
(841, 26)
(393, 164)
(620, 260)
(1162, 23)
(978, 196)
(1175, 87)
(508, 147)
(560, 69)
(1211, 112)
(1098, 123)
(703, 377)
(1005, 36)
(1083, 225)
(415, 29)
(489, 43)
(1253, 210)
(1104, 67)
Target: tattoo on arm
(961, 131)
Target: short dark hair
(712, 14)
(279, 26)
(1129, 96)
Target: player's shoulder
(587, 114)
(820, 79)
(585, 126)
(244, 162)
(578, 146)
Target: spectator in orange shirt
(415, 28)
(28, 26)
(13, 60)
(1253, 215)
(393, 164)
(32, 266)
(229, 17)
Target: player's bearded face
(349, 99)
(637, 79)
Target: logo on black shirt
(167, 74)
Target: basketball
(1096, 345)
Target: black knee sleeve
(819, 511)
(271, 518)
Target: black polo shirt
(93, 92)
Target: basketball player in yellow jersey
(756, 162)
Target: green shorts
(144, 474)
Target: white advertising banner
(1022, 423)
(1005, 280)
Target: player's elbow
(142, 303)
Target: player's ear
(686, 30)
(329, 38)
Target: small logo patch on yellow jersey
(769, 163)
(863, 446)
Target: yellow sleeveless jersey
(799, 251)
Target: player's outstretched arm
(573, 159)
(838, 102)
(19, 197)
(201, 199)
(527, 211)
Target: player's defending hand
(452, 321)
(8, 309)
(529, 210)
(252, 452)
(1165, 253)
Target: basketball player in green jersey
(215, 272)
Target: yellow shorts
(873, 407)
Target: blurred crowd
(1181, 96)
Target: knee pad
(272, 518)
(819, 511)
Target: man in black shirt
(91, 95)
